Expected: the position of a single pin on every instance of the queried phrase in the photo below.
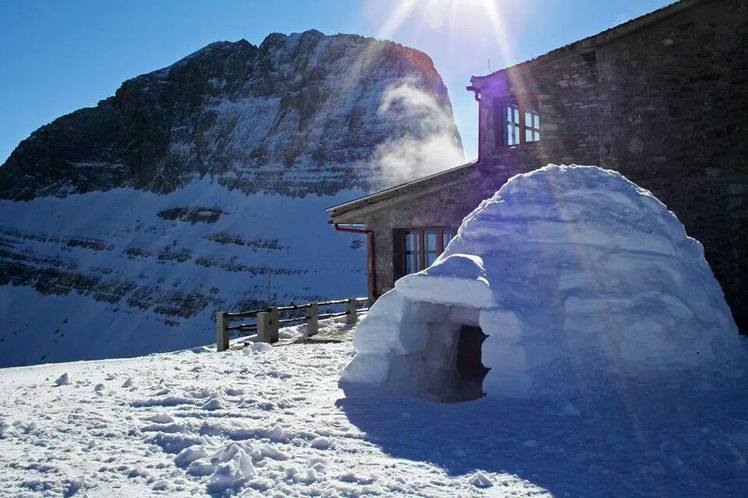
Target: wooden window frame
(500, 126)
(403, 233)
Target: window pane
(446, 237)
(532, 130)
(412, 251)
(511, 124)
(431, 238)
(411, 262)
(411, 241)
(431, 257)
(532, 121)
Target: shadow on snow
(683, 439)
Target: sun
(455, 17)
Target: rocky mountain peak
(305, 106)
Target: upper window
(420, 247)
(519, 121)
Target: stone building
(662, 98)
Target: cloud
(431, 144)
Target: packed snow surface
(574, 273)
(271, 421)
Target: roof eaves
(392, 191)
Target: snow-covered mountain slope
(272, 422)
(128, 272)
(124, 227)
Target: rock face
(295, 115)
(202, 187)
(576, 276)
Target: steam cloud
(434, 144)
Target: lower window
(417, 248)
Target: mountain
(202, 187)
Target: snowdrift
(573, 273)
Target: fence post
(312, 322)
(351, 316)
(222, 331)
(267, 325)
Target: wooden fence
(267, 322)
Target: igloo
(565, 274)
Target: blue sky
(56, 57)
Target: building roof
(419, 183)
(630, 26)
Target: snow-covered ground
(272, 422)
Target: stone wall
(666, 105)
(675, 120)
(566, 89)
(444, 204)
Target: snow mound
(63, 380)
(573, 272)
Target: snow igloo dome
(566, 274)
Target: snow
(579, 278)
(63, 380)
(309, 261)
(285, 428)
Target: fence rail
(267, 321)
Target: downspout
(371, 256)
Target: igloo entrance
(470, 369)
(449, 367)
(439, 357)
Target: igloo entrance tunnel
(567, 273)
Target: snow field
(273, 422)
(257, 422)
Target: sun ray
(496, 21)
(396, 19)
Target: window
(512, 124)
(418, 248)
(532, 121)
(412, 252)
(519, 121)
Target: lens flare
(457, 17)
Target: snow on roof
(572, 272)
